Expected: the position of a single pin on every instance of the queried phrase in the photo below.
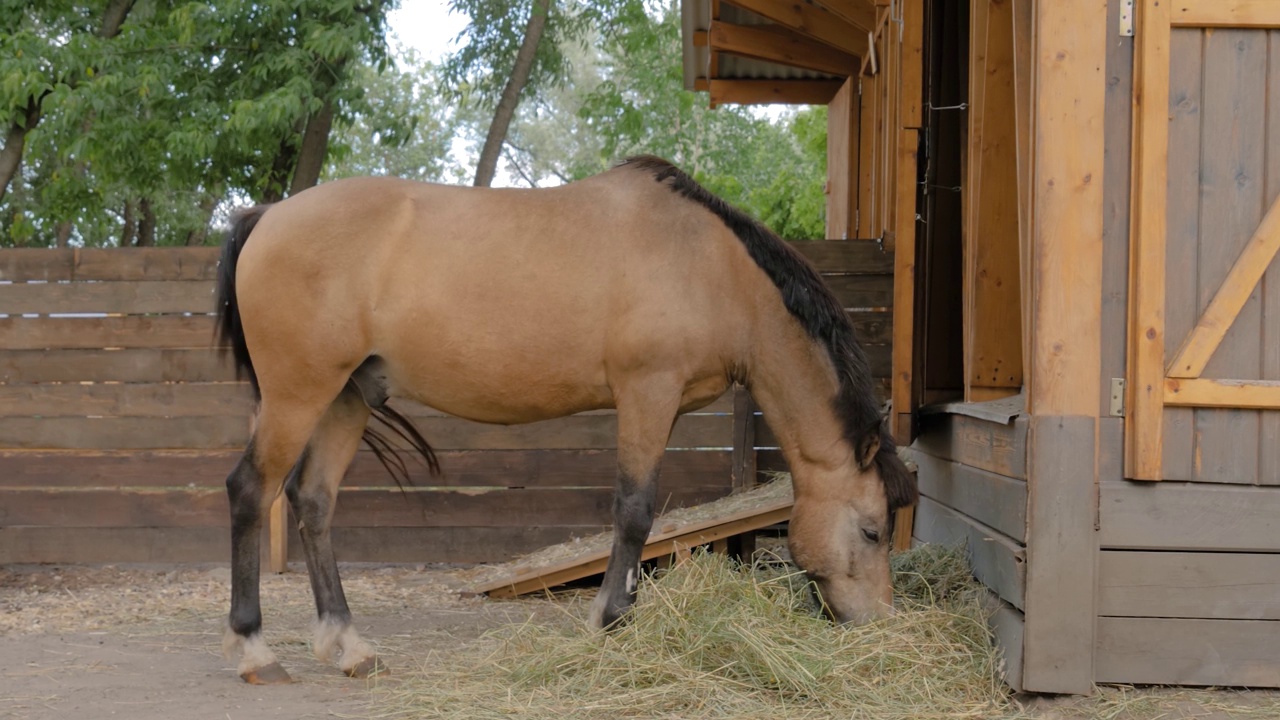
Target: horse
(634, 289)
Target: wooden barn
(1080, 196)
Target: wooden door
(1204, 333)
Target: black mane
(812, 303)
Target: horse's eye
(871, 535)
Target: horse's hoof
(367, 668)
(272, 674)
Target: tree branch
(506, 109)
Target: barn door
(1204, 331)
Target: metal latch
(1117, 397)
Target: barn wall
(1187, 573)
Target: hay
(714, 639)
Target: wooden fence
(119, 422)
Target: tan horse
(635, 289)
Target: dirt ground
(145, 643)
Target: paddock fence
(120, 420)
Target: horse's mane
(819, 312)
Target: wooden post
(743, 469)
(277, 532)
(1066, 274)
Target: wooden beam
(1144, 421)
(1241, 281)
(278, 534)
(1235, 394)
(764, 92)
(780, 45)
(808, 19)
(858, 13)
(1225, 13)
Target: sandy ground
(145, 643)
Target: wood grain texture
(862, 291)
(1225, 13)
(1188, 652)
(842, 129)
(1228, 586)
(811, 20)
(767, 92)
(158, 331)
(1227, 394)
(1269, 424)
(1177, 456)
(1008, 628)
(1144, 409)
(109, 264)
(991, 499)
(1189, 516)
(127, 399)
(160, 296)
(868, 118)
(1231, 189)
(1062, 549)
(209, 544)
(998, 562)
(1116, 191)
(864, 257)
(780, 45)
(996, 447)
(1023, 75)
(461, 468)
(131, 365)
(905, 400)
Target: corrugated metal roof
(696, 15)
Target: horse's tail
(230, 329)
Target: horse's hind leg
(279, 436)
(646, 413)
(311, 490)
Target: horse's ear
(867, 448)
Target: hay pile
(713, 639)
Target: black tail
(385, 450)
(230, 330)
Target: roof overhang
(774, 51)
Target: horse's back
(469, 292)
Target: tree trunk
(511, 93)
(130, 227)
(207, 206)
(14, 140)
(315, 148)
(63, 233)
(280, 168)
(146, 224)
(113, 18)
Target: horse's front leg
(646, 414)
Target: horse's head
(842, 528)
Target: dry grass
(713, 639)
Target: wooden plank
(210, 544)
(129, 365)
(872, 328)
(1061, 554)
(161, 296)
(1023, 74)
(905, 400)
(1189, 516)
(1231, 189)
(811, 20)
(996, 447)
(277, 535)
(867, 118)
(1234, 394)
(842, 126)
(858, 13)
(991, 499)
(780, 45)
(994, 299)
(445, 433)
(849, 257)
(109, 264)
(767, 92)
(1240, 285)
(1007, 628)
(162, 331)
(686, 469)
(1227, 586)
(1269, 427)
(911, 92)
(998, 562)
(131, 399)
(1144, 409)
(1188, 652)
(1181, 307)
(863, 291)
(381, 507)
(1226, 13)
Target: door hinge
(1117, 397)
(1126, 18)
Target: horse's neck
(795, 385)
